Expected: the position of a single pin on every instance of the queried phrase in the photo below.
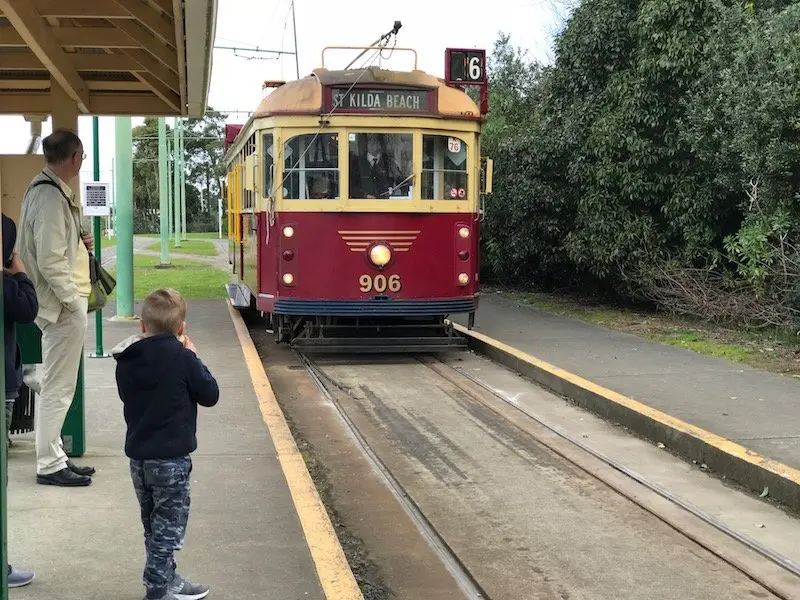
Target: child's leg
(170, 485)
(145, 497)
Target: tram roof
(112, 57)
(304, 96)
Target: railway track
(371, 395)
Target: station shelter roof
(112, 57)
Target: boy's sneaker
(183, 589)
(17, 578)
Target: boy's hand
(88, 241)
(16, 265)
(187, 343)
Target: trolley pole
(294, 35)
(98, 241)
(163, 187)
(176, 180)
(123, 186)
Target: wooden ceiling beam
(151, 65)
(129, 104)
(165, 6)
(148, 63)
(101, 103)
(37, 36)
(145, 40)
(150, 18)
(80, 9)
(162, 91)
(25, 103)
(180, 40)
(81, 62)
(78, 37)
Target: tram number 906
(380, 283)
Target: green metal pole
(163, 186)
(170, 186)
(183, 184)
(98, 241)
(176, 196)
(123, 184)
(3, 480)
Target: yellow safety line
(335, 575)
(721, 443)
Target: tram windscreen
(444, 168)
(381, 165)
(311, 167)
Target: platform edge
(720, 455)
(333, 570)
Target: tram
(354, 202)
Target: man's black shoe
(86, 471)
(64, 478)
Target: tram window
(444, 168)
(268, 172)
(311, 167)
(381, 165)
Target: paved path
(244, 538)
(141, 247)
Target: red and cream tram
(354, 203)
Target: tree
(663, 142)
(204, 172)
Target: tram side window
(381, 165)
(444, 168)
(311, 167)
(268, 171)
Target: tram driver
(375, 173)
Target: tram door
(250, 225)
(268, 222)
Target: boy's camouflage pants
(164, 493)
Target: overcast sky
(428, 26)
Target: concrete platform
(710, 409)
(247, 538)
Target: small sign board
(392, 101)
(465, 66)
(96, 199)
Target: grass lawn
(191, 246)
(771, 350)
(194, 280)
(207, 235)
(108, 242)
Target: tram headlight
(288, 278)
(463, 232)
(380, 255)
(463, 279)
(288, 231)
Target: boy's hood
(147, 359)
(124, 344)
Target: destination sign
(358, 100)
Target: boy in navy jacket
(20, 305)
(161, 381)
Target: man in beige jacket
(56, 254)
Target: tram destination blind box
(95, 197)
